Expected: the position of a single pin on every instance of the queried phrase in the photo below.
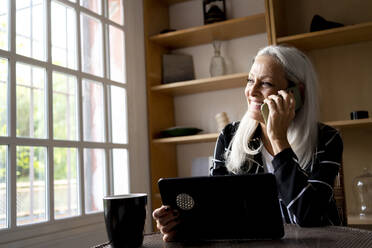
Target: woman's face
(266, 78)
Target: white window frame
(137, 126)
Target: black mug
(125, 217)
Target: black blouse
(306, 195)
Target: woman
(304, 155)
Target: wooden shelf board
(212, 137)
(356, 220)
(170, 2)
(226, 30)
(350, 123)
(331, 37)
(203, 85)
(199, 138)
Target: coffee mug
(125, 217)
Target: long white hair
(303, 132)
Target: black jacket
(306, 195)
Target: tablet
(224, 207)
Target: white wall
(199, 109)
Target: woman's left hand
(281, 114)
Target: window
(63, 110)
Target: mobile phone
(298, 99)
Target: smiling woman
(303, 154)
(265, 78)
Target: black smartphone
(298, 99)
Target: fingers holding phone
(280, 112)
(292, 98)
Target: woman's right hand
(166, 220)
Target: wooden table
(328, 237)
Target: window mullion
(108, 177)
(81, 148)
(80, 117)
(81, 180)
(106, 72)
(12, 187)
(12, 161)
(105, 43)
(49, 112)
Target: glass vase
(363, 192)
(217, 66)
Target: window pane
(4, 24)
(31, 184)
(119, 115)
(94, 5)
(30, 31)
(91, 45)
(31, 121)
(64, 106)
(66, 187)
(117, 61)
(116, 10)
(3, 97)
(93, 124)
(3, 186)
(63, 35)
(120, 171)
(94, 179)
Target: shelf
(199, 138)
(212, 137)
(351, 123)
(170, 2)
(203, 85)
(356, 220)
(331, 37)
(225, 30)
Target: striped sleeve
(308, 195)
(218, 166)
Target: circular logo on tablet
(185, 201)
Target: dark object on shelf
(177, 67)
(214, 11)
(361, 114)
(319, 23)
(179, 131)
(167, 30)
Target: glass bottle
(217, 66)
(363, 191)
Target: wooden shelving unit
(202, 85)
(161, 113)
(329, 38)
(225, 30)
